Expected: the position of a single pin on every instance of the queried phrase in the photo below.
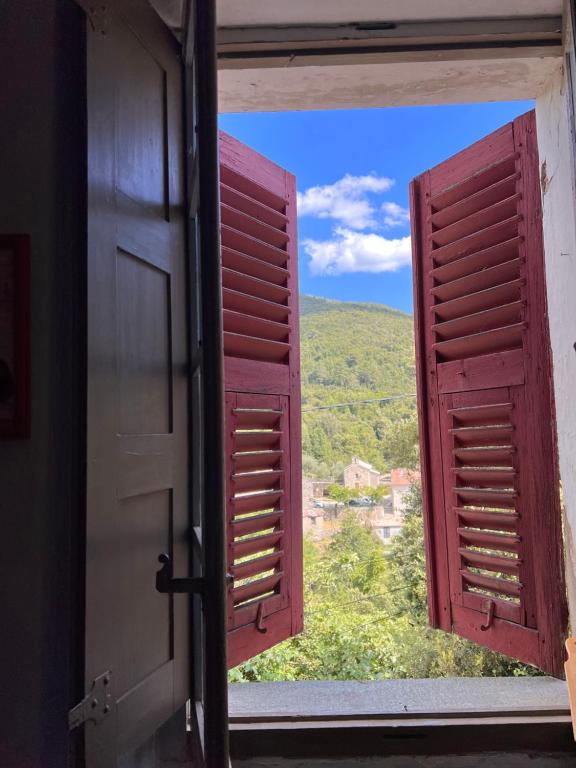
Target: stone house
(360, 474)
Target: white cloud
(350, 251)
(346, 200)
(395, 215)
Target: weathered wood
(262, 380)
(485, 402)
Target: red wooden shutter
(262, 381)
(488, 444)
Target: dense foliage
(365, 616)
(352, 351)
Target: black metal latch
(96, 705)
(167, 584)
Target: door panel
(137, 472)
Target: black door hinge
(96, 705)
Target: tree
(341, 494)
(375, 495)
(403, 437)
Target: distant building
(383, 521)
(312, 515)
(313, 522)
(360, 474)
(400, 482)
(320, 488)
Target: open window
(488, 445)
(486, 412)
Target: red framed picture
(14, 336)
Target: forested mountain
(355, 351)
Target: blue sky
(352, 169)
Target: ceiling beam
(381, 41)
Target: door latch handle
(167, 584)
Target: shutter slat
(255, 349)
(249, 225)
(251, 188)
(475, 182)
(484, 238)
(489, 319)
(256, 588)
(256, 502)
(491, 477)
(235, 199)
(251, 460)
(464, 306)
(496, 521)
(483, 434)
(257, 480)
(257, 440)
(483, 343)
(481, 413)
(257, 523)
(490, 455)
(250, 265)
(485, 197)
(476, 262)
(256, 544)
(249, 418)
(491, 583)
(253, 286)
(509, 565)
(486, 278)
(257, 327)
(240, 241)
(489, 497)
(499, 211)
(257, 565)
(499, 541)
(250, 305)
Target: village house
(361, 474)
(400, 482)
(387, 522)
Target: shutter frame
(264, 369)
(515, 364)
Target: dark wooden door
(138, 422)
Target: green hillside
(355, 351)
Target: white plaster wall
(384, 84)
(558, 199)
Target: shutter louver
(490, 479)
(262, 411)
